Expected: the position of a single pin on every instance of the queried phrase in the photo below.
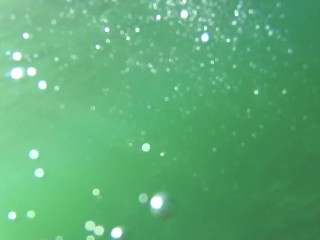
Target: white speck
(89, 225)
(98, 230)
(107, 29)
(205, 37)
(96, 192)
(42, 85)
(116, 232)
(290, 51)
(158, 17)
(56, 88)
(236, 13)
(31, 214)
(34, 154)
(143, 198)
(90, 237)
(156, 202)
(98, 47)
(162, 154)
(12, 215)
(17, 56)
(26, 35)
(184, 14)
(137, 29)
(256, 92)
(146, 147)
(31, 71)
(39, 173)
(284, 91)
(16, 73)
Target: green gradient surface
(233, 122)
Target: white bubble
(12, 215)
(284, 91)
(143, 198)
(17, 56)
(156, 202)
(26, 35)
(184, 14)
(96, 192)
(158, 17)
(42, 85)
(56, 88)
(59, 238)
(34, 154)
(256, 92)
(31, 214)
(39, 173)
(90, 237)
(98, 230)
(146, 147)
(116, 232)
(16, 73)
(162, 154)
(31, 71)
(205, 37)
(107, 29)
(89, 225)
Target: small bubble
(39, 173)
(34, 154)
(256, 92)
(184, 14)
(96, 192)
(16, 73)
(12, 215)
(156, 202)
(42, 85)
(16, 56)
(205, 37)
(31, 214)
(89, 225)
(146, 147)
(98, 230)
(31, 71)
(143, 198)
(116, 232)
(26, 35)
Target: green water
(226, 94)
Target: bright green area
(233, 123)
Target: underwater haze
(162, 120)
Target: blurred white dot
(59, 238)
(56, 88)
(42, 85)
(17, 56)
(34, 154)
(284, 91)
(12, 215)
(162, 154)
(39, 173)
(256, 92)
(96, 192)
(89, 225)
(31, 214)
(158, 17)
(26, 35)
(146, 147)
(98, 47)
(156, 202)
(137, 29)
(184, 13)
(107, 29)
(116, 232)
(143, 198)
(16, 73)
(90, 237)
(98, 230)
(31, 71)
(205, 37)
